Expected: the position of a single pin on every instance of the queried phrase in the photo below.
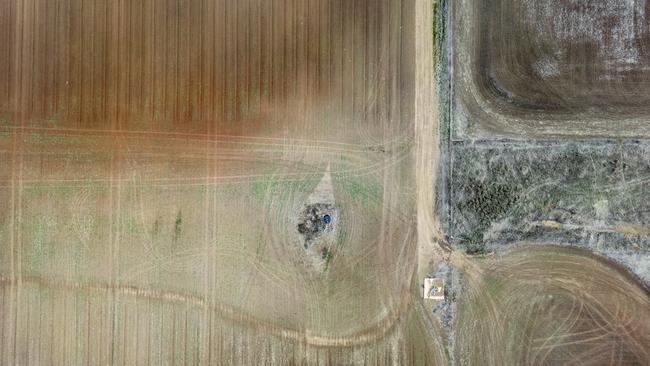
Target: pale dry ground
(157, 156)
(550, 305)
(431, 246)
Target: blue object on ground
(327, 219)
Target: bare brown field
(156, 156)
(550, 305)
(246, 68)
(547, 68)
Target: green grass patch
(41, 188)
(131, 226)
(434, 30)
(327, 255)
(41, 228)
(493, 285)
(365, 191)
(341, 239)
(37, 138)
(269, 185)
(52, 121)
(279, 187)
(473, 242)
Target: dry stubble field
(156, 156)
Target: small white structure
(434, 289)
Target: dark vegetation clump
(473, 242)
(326, 256)
(489, 201)
(501, 193)
(312, 223)
(178, 226)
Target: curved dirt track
(372, 333)
(549, 305)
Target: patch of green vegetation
(40, 227)
(442, 73)
(178, 226)
(365, 191)
(131, 226)
(327, 255)
(38, 138)
(439, 27)
(40, 188)
(269, 185)
(513, 336)
(43, 294)
(155, 228)
(562, 183)
(277, 186)
(78, 253)
(473, 242)
(493, 285)
(489, 201)
(52, 121)
(434, 29)
(341, 239)
(33, 138)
